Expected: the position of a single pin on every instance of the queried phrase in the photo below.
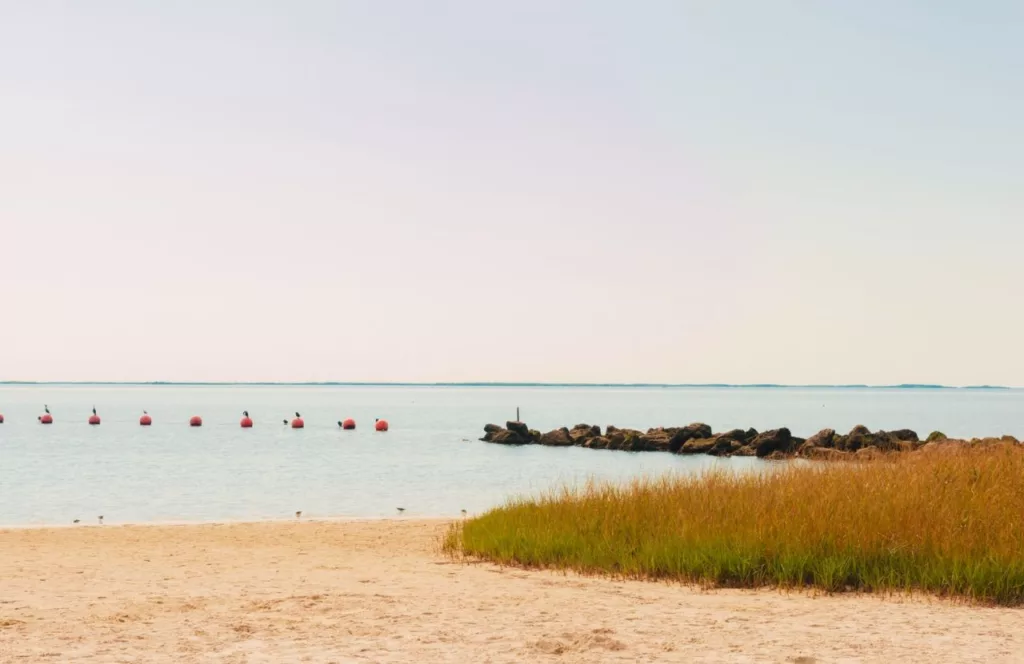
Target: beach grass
(948, 522)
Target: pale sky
(579, 191)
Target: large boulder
(904, 434)
(622, 439)
(657, 440)
(557, 438)
(690, 431)
(776, 440)
(724, 446)
(507, 437)
(519, 428)
(598, 443)
(582, 432)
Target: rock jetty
(698, 438)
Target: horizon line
(905, 386)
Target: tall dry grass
(949, 521)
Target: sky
(578, 191)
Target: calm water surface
(430, 462)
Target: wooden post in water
(517, 414)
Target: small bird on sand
(298, 515)
(101, 519)
(463, 512)
(401, 509)
(76, 521)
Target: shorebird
(463, 512)
(76, 521)
(401, 509)
(298, 515)
(101, 519)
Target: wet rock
(689, 432)
(776, 440)
(519, 428)
(598, 443)
(492, 428)
(582, 432)
(724, 446)
(556, 438)
(506, 437)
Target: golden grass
(948, 521)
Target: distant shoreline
(906, 386)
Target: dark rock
(492, 428)
(582, 432)
(698, 446)
(557, 438)
(1010, 439)
(824, 438)
(610, 430)
(657, 440)
(506, 437)
(519, 428)
(904, 434)
(620, 439)
(776, 440)
(746, 450)
(535, 435)
(689, 432)
(598, 443)
(935, 436)
(860, 430)
(724, 446)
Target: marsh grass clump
(949, 523)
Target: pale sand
(379, 591)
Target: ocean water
(430, 462)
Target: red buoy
(348, 424)
(1, 418)
(381, 425)
(246, 420)
(297, 423)
(94, 419)
(46, 418)
(196, 421)
(145, 420)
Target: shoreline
(380, 590)
(228, 522)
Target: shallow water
(430, 462)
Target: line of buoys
(196, 421)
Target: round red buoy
(1, 418)
(348, 424)
(94, 419)
(381, 425)
(246, 420)
(196, 421)
(145, 420)
(46, 418)
(297, 423)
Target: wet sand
(379, 591)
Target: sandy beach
(379, 591)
